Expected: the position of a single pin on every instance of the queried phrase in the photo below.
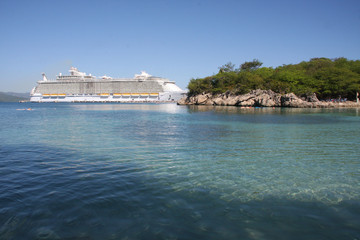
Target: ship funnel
(44, 77)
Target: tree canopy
(328, 78)
(253, 65)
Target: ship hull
(126, 98)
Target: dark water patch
(95, 198)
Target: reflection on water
(162, 107)
(267, 110)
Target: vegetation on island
(328, 78)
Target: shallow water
(162, 171)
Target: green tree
(328, 78)
(228, 67)
(253, 65)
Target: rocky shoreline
(264, 98)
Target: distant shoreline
(13, 97)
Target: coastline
(264, 98)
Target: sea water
(162, 171)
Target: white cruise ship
(80, 87)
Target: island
(318, 83)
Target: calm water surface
(162, 171)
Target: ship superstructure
(80, 87)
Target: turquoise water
(162, 171)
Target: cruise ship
(80, 87)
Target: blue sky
(176, 39)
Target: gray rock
(201, 99)
(312, 98)
(262, 98)
(218, 101)
(183, 101)
(248, 103)
(231, 101)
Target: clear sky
(176, 39)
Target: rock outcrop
(262, 98)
